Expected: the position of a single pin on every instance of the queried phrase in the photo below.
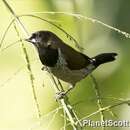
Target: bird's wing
(74, 59)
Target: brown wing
(75, 60)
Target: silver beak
(33, 40)
(28, 40)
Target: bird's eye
(33, 35)
(39, 35)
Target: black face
(43, 42)
(40, 38)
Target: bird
(63, 61)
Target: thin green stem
(98, 96)
(21, 26)
(106, 108)
(5, 32)
(79, 16)
(29, 68)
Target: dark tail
(104, 58)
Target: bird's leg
(61, 94)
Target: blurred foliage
(17, 106)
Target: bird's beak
(32, 40)
(28, 40)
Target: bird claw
(60, 95)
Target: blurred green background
(17, 106)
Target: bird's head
(42, 39)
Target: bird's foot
(60, 95)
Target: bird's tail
(104, 58)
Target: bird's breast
(48, 56)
